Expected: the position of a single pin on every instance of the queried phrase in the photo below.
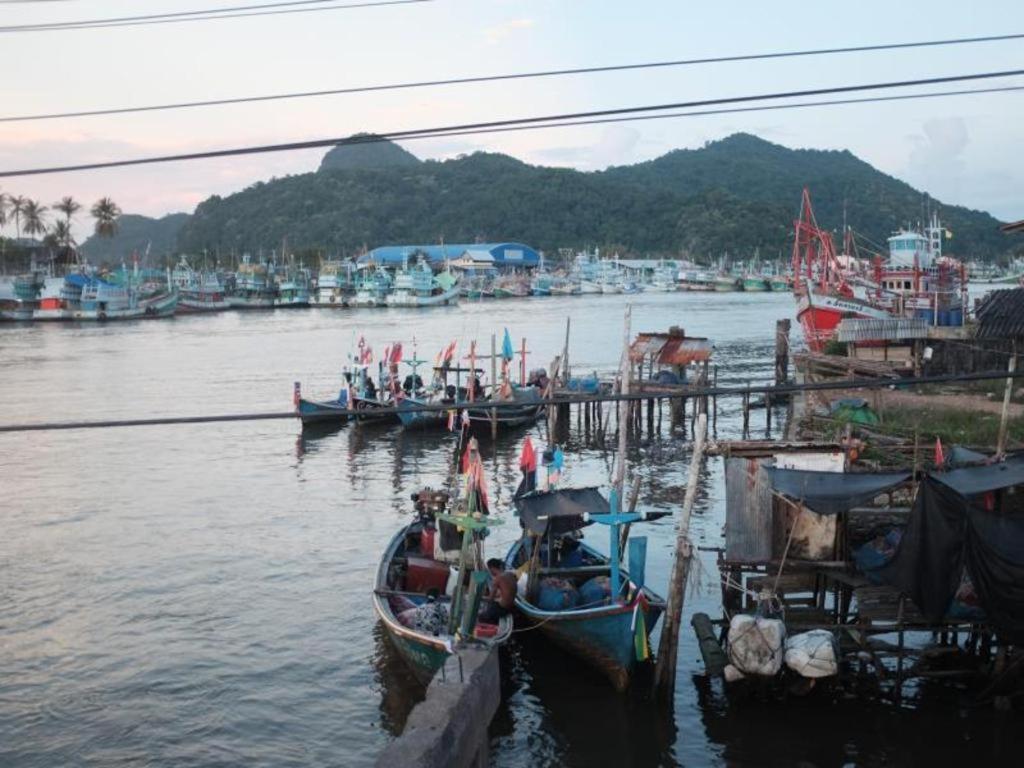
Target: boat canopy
(829, 493)
(563, 509)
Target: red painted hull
(820, 314)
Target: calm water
(199, 595)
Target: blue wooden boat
(323, 411)
(425, 624)
(509, 417)
(608, 629)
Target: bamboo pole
(1004, 416)
(625, 370)
(494, 385)
(668, 647)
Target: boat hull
(410, 299)
(251, 302)
(603, 636)
(321, 412)
(423, 653)
(420, 419)
(820, 314)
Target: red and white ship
(916, 281)
(823, 295)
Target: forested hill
(137, 235)
(732, 196)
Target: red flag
(940, 457)
(396, 353)
(528, 458)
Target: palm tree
(69, 207)
(106, 213)
(35, 224)
(17, 203)
(62, 233)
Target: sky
(963, 150)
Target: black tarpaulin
(971, 481)
(562, 509)
(829, 493)
(948, 533)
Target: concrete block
(449, 727)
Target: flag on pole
(396, 353)
(296, 394)
(528, 457)
(940, 456)
(507, 352)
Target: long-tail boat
(529, 407)
(582, 600)
(423, 621)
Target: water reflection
(399, 689)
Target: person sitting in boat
(502, 592)
(539, 379)
(476, 388)
(413, 383)
(371, 390)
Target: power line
(231, 12)
(771, 390)
(509, 124)
(511, 76)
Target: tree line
(30, 217)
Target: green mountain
(379, 154)
(732, 195)
(137, 234)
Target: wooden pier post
(1004, 416)
(746, 413)
(714, 405)
(668, 647)
(625, 372)
(781, 351)
(494, 385)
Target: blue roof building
(505, 255)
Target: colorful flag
(507, 352)
(396, 353)
(528, 458)
(643, 651)
(940, 457)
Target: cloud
(499, 32)
(936, 161)
(616, 145)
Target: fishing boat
(540, 285)
(333, 284)
(19, 296)
(411, 598)
(823, 295)
(724, 282)
(564, 286)
(254, 288)
(198, 291)
(664, 278)
(52, 302)
(696, 280)
(418, 286)
(779, 283)
(511, 286)
(294, 289)
(577, 597)
(529, 407)
(753, 282)
(372, 288)
(322, 411)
